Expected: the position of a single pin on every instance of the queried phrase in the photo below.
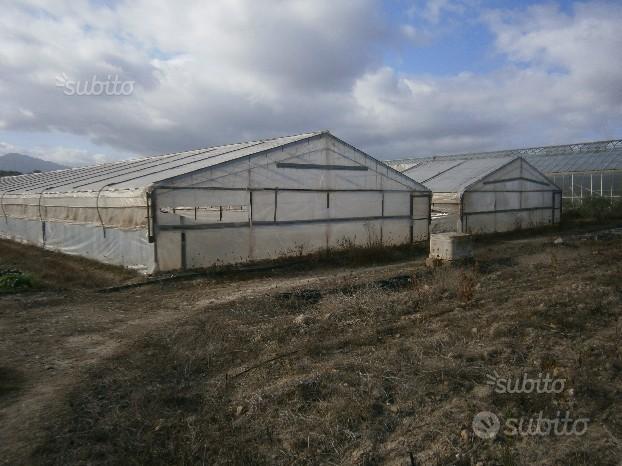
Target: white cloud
(208, 73)
(577, 50)
(217, 72)
(433, 9)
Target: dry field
(362, 361)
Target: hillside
(22, 163)
(8, 173)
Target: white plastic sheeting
(488, 195)
(318, 194)
(129, 248)
(228, 204)
(115, 208)
(580, 170)
(582, 157)
(454, 176)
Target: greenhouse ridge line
(99, 173)
(565, 149)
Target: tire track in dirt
(78, 331)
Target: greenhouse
(581, 170)
(221, 205)
(487, 195)
(585, 175)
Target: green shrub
(594, 208)
(616, 209)
(15, 280)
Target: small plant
(554, 261)
(466, 287)
(594, 208)
(346, 243)
(12, 280)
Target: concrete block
(451, 246)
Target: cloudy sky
(395, 78)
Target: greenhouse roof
(591, 156)
(596, 161)
(140, 172)
(452, 176)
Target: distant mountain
(26, 164)
(5, 173)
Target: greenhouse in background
(580, 170)
(487, 195)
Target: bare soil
(366, 364)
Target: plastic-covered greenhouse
(235, 203)
(581, 170)
(487, 195)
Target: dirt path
(49, 339)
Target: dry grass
(367, 373)
(343, 256)
(54, 270)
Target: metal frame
(577, 192)
(154, 227)
(315, 166)
(519, 178)
(502, 211)
(302, 190)
(217, 226)
(567, 149)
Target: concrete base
(451, 246)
